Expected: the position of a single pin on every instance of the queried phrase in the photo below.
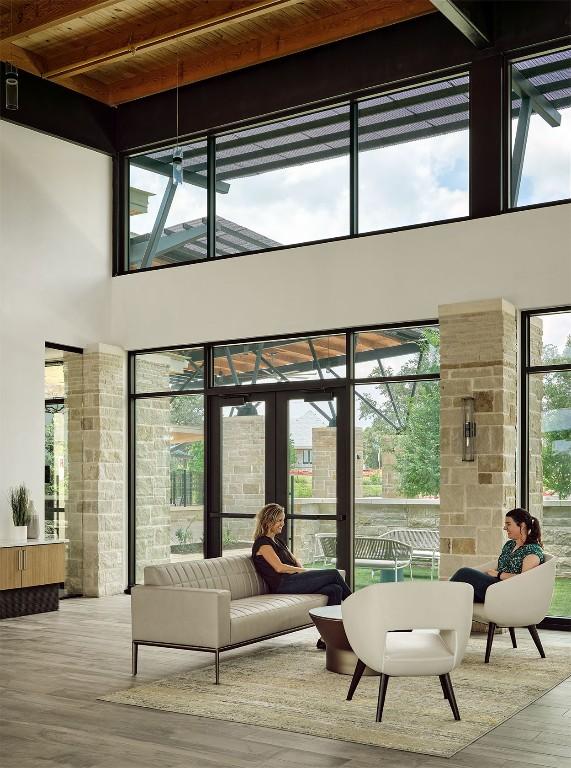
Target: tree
(410, 412)
(556, 440)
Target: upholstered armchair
(440, 617)
(520, 601)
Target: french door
(287, 446)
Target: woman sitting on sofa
(520, 553)
(282, 571)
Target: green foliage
(302, 487)
(556, 396)
(228, 537)
(19, 500)
(406, 421)
(183, 535)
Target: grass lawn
(560, 604)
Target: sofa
(212, 605)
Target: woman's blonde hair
(266, 517)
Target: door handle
(25, 559)
(19, 559)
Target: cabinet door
(10, 573)
(43, 564)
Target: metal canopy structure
(429, 110)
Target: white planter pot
(20, 533)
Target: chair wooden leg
(443, 684)
(134, 657)
(512, 635)
(491, 630)
(383, 683)
(357, 675)
(535, 636)
(451, 698)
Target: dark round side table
(339, 656)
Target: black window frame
(212, 394)
(527, 370)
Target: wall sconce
(469, 429)
(11, 86)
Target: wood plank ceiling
(120, 50)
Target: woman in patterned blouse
(520, 553)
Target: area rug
(286, 686)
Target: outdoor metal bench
(375, 552)
(425, 544)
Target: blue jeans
(327, 582)
(480, 581)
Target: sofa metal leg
(217, 666)
(451, 698)
(443, 684)
(512, 635)
(491, 630)
(383, 683)
(357, 675)
(134, 657)
(534, 634)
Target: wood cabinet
(29, 578)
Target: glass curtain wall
(541, 129)
(168, 433)
(413, 155)
(397, 454)
(288, 182)
(549, 443)
(167, 206)
(63, 454)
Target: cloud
(547, 163)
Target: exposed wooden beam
(23, 59)
(88, 86)
(193, 68)
(155, 34)
(465, 22)
(39, 15)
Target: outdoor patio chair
(522, 601)
(374, 619)
(425, 544)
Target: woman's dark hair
(519, 516)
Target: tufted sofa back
(236, 574)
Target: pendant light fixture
(11, 75)
(177, 157)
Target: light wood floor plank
(54, 666)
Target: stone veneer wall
(103, 470)
(152, 465)
(478, 358)
(243, 469)
(324, 462)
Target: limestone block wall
(324, 462)
(103, 470)
(478, 358)
(243, 465)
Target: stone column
(478, 358)
(103, 470)
(359, 447)
(324, 462)
(389, 477)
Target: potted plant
(19, 501)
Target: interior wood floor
(54, 665)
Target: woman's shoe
(321, 644)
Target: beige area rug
(286, 686)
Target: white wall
(524, 257)
(55, 267)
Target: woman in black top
(282, 572)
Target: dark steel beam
(519, 147)
(159, 226)
(464, 21)
(541, 106)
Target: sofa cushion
(236, 574)
(266, 614)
